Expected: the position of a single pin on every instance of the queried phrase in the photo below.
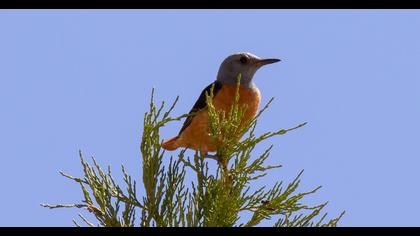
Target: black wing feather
(201, 102)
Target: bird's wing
(201, 103)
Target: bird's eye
(243, 60)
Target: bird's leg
(223, 163)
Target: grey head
(244, 63)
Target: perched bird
(194, 133)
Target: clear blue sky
(81, 79)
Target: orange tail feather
(170, 144)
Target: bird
(194, 133)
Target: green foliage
(218, 199)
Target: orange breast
(196, 135)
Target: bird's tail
(170, 144)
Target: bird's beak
(262, 62)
